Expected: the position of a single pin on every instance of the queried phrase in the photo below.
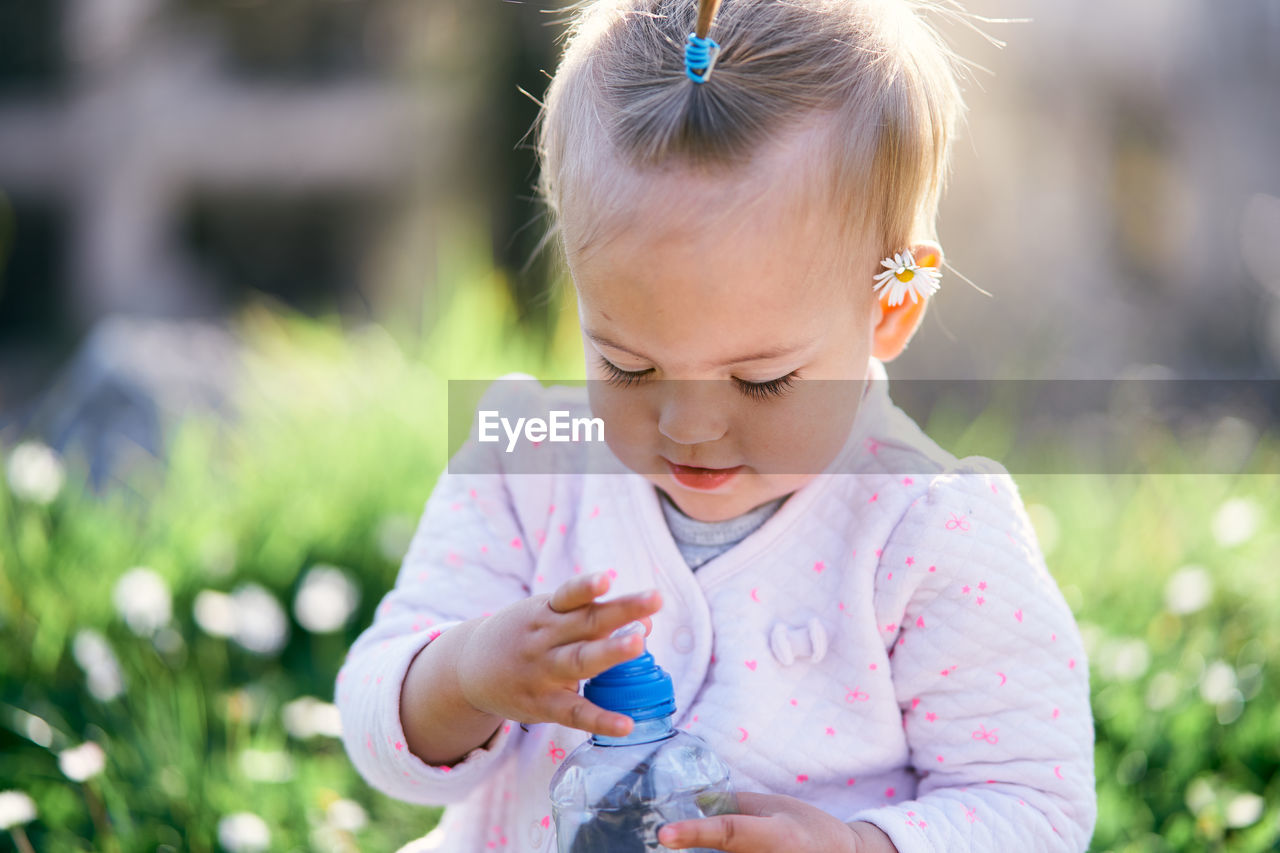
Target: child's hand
(770, 822)
(524, 662)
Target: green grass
(331, 461)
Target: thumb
(760, 805)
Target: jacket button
(682, 640)
(806, 641)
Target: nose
(691, 412)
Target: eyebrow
(761, 355)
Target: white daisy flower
(142, 598)
(1124, 660)
(307, 717)
(902, 276)
(243, 832)
(37, 730)
(100, 665)
(347, 815)
(326, 599)
(16, 808)
(215, 613)
(82, 762)
(261, 624)
(36, 473)
(1189, 589)
(1218, 682)
(1243, 810)
(1236, 521)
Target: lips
(702, 479)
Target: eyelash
(755, 390)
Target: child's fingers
(570, 709)
(730, 833)
(578, 592)
(602, 619)
(587, 658)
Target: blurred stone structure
(162, 159)
(165, 158)
(1117, 191)
(150, 119)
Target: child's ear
(893, 327)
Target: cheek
(802, 434)
(628, 419)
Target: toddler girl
(861, 625)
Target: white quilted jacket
(888, 646)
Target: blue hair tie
(700, 56)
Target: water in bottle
(613, 794)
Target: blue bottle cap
(638, 688)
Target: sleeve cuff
(398, 772)
(904, 826)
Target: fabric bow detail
(807, 641)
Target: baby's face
(695, 308)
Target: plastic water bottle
(613, 794)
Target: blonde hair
(873, 73)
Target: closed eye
(765, 390)
(754, 390)
(622, 378)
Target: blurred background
(244, 244)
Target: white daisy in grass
(1244, 810)
(142, 597)
(243, 832)
(326, 599)
(307, 716)
(36, 472)
(16, 808)
(261, 624)
(82, 762)
(346, 815)
(902, 276)
(215, 613)
(100, 665)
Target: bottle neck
(645, 731)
